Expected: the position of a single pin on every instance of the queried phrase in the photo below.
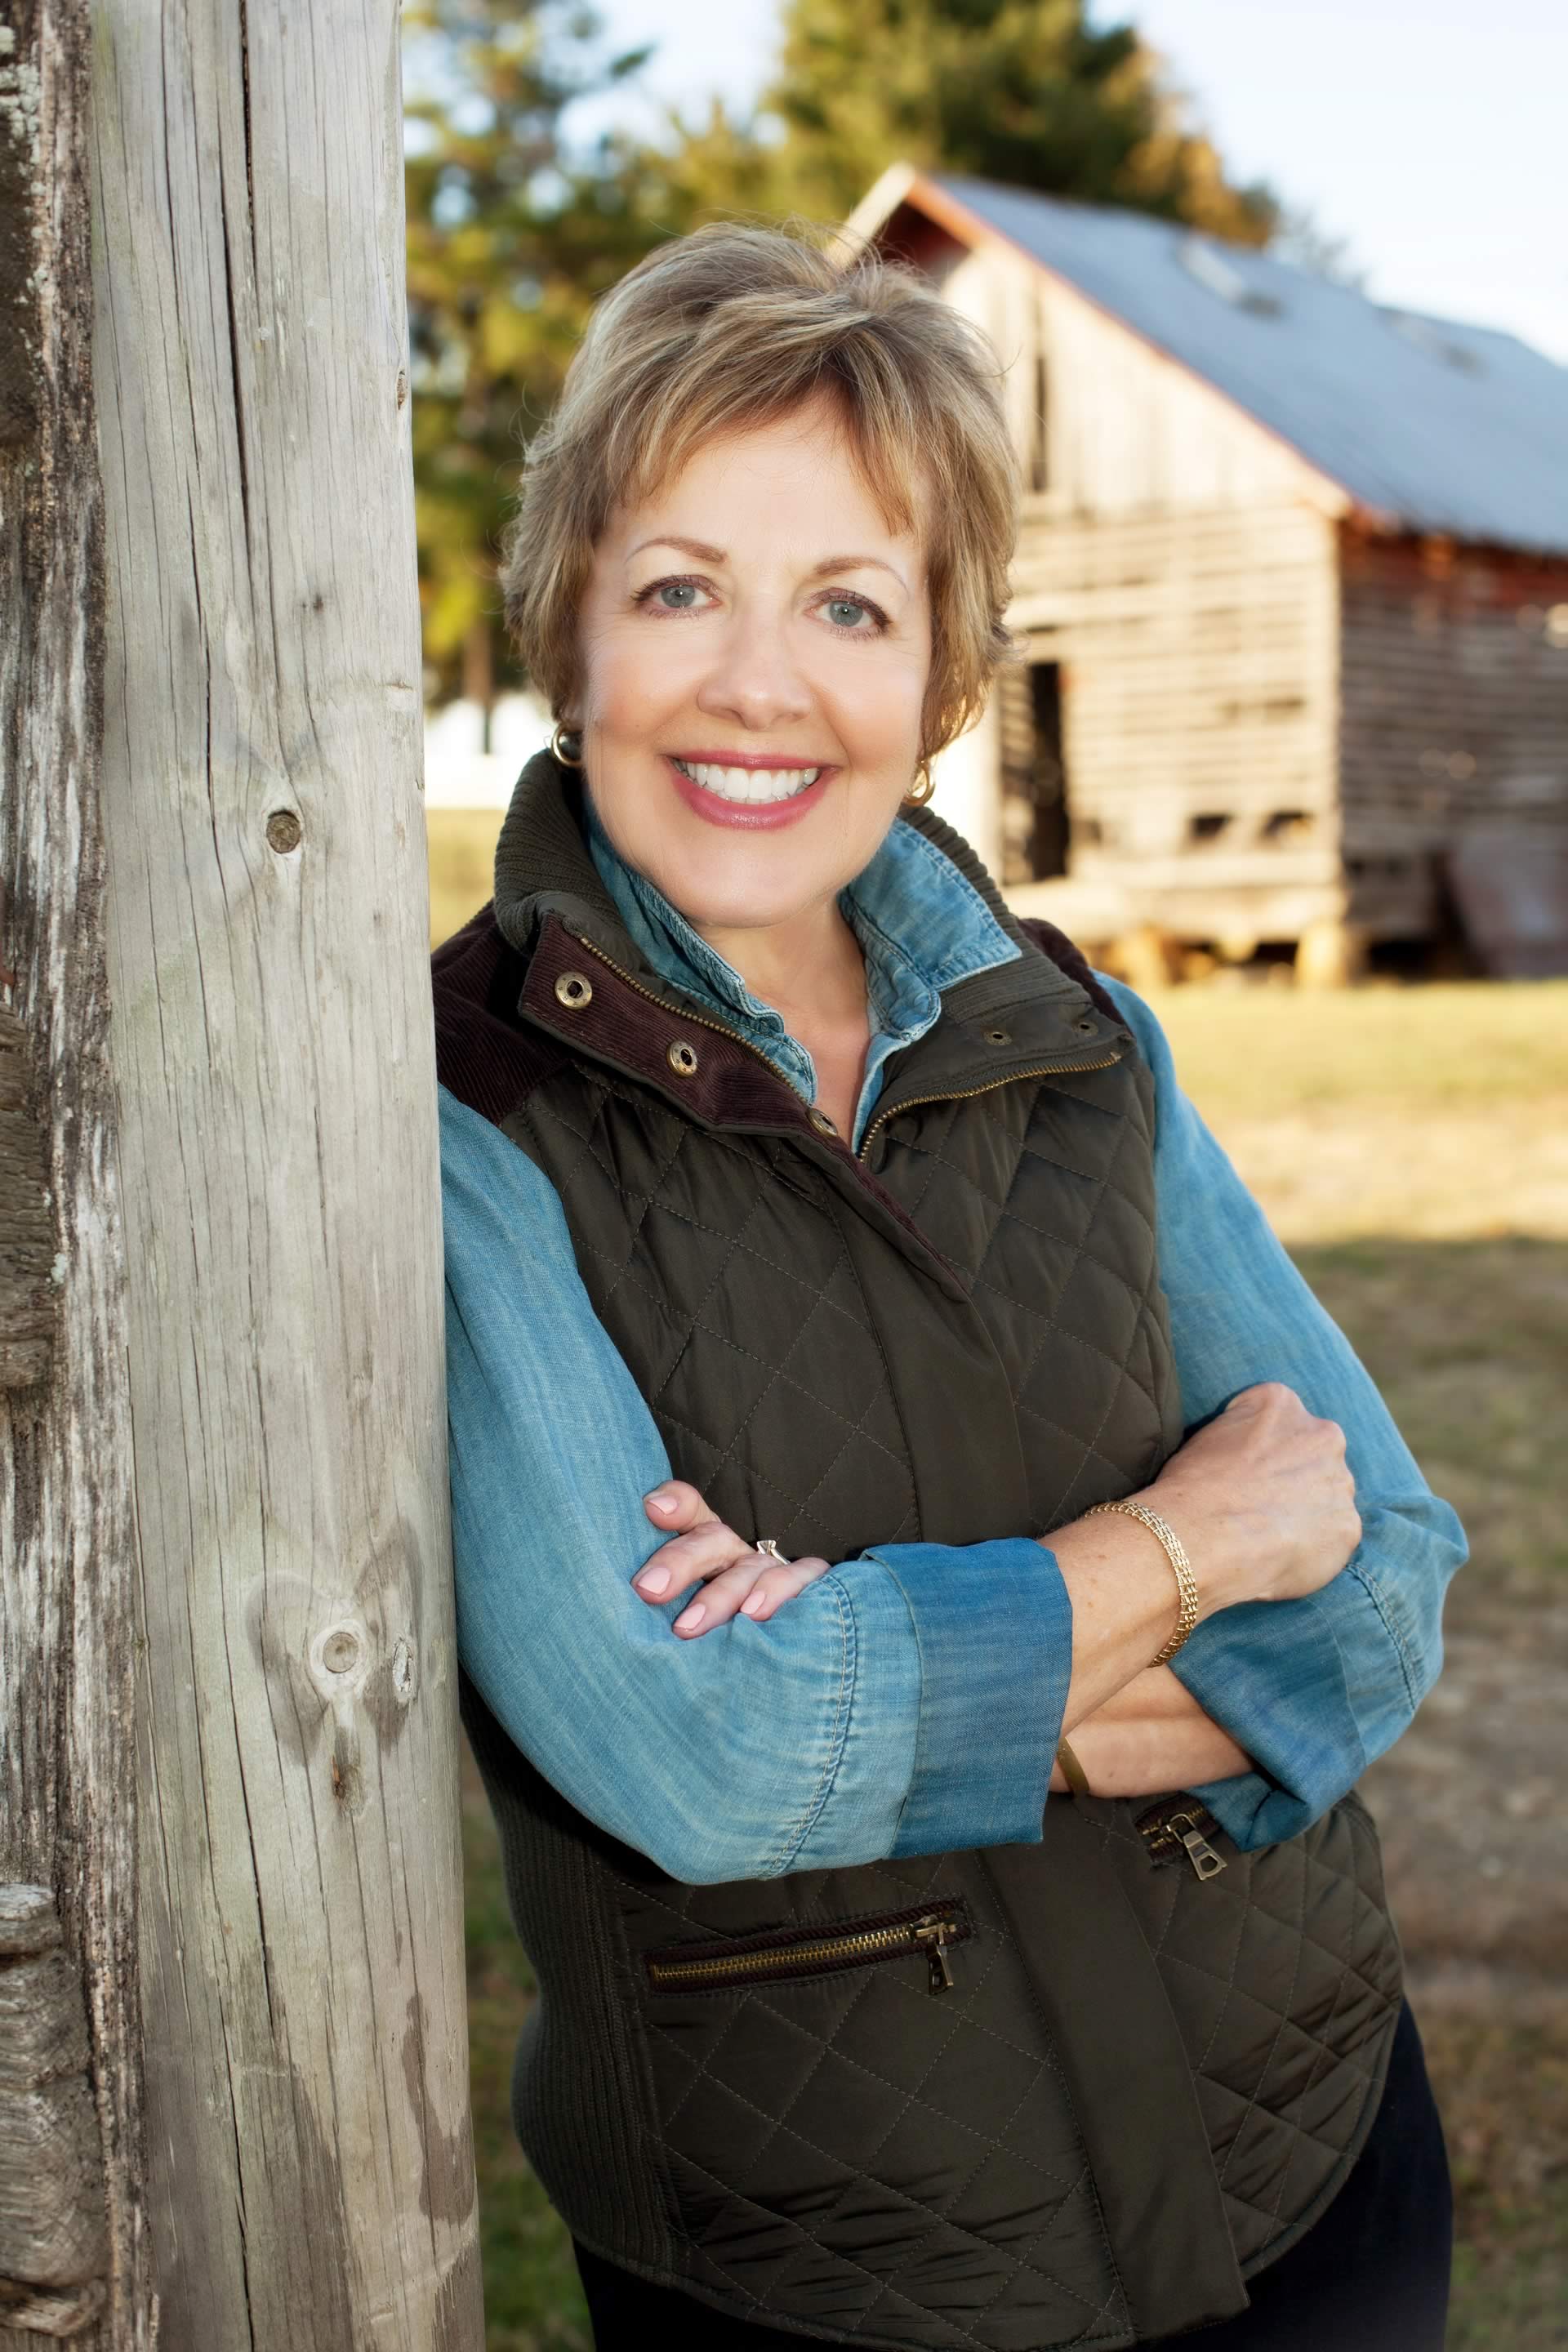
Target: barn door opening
(1033, 773)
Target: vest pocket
(729, 1963)
(1179, 1828)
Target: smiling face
(755, 644)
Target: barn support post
(227, 1577)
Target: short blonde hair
(734, 326)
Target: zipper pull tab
(932, 1935)
(1206, 1862)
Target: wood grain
(67, 1528)
(311, 2180)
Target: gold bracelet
(1073, 1772)
(1176, 1554)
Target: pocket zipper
(719, 1964)
(1179, 1825)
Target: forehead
(791, 481)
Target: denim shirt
(910, 1700)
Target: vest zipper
(965, 1094)
(698, 1020)
(949, 1094)
(1178, 1826)
(733, 1962)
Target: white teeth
(752, 785)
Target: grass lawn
(1409, 1145)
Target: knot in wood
(284, 831)
(340, 1650)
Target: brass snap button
(997, 1037)
(821, 1121)
(575, 989)
(682, 1059)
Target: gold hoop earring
(566, 743)
(923, 787)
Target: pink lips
(740, 818)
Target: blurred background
(1281, 297)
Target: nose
(755, 679)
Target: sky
(1427, 134)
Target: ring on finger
(766, 1544)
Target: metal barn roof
(1440, 426)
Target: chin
(730, 905)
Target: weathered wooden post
(228, 1819)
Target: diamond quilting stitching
(1285, 1908)
(1284, 2011)
(738, 2197)
(1005, 1213)
(1181, 1960)
(1292, 2124)
(935, 1136)
(994, 2144)
(865, 2177)
(830, 2045)
(649, 1200)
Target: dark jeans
(1370, 2275)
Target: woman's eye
(675, 595)
(850, 612)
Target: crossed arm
(844, 1728)
(1147, 1736)
(1263, 1496)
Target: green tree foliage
(509, 239)
(513, 231)
(1024, 91)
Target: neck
(809, 969)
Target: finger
(753, 1587)
(678, 1565)
(776, 1585)
(676, 1506)
(721, 1597)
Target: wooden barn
(1292, 587)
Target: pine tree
(509, 239)
(1023, 91)
(513, 231)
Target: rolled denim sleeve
(1313, 1689)
(909, 1701)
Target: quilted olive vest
(1064, 2094)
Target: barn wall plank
(1199, 656)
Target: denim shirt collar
(922, 926)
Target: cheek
(633, 678)
(879, 701)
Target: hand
(736, 1577)
(1263, 1500)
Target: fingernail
(659, 1502)
(690, 1619)
(652, 1580)
(753, 1605)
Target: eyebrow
(706, 554)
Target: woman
(838, 1257)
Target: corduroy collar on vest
(1021, 1015)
